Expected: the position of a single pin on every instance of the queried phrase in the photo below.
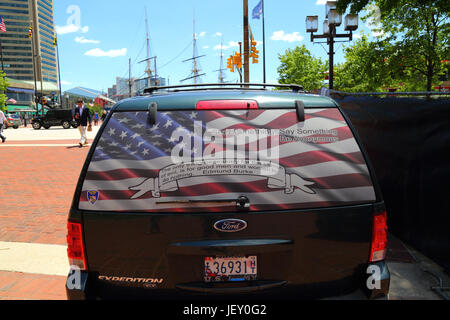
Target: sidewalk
(53, 134)
(413, 275)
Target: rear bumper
(82, 286)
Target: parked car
(226, 191)
(54, 118)
(13, 120)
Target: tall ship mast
(148, 70)
(195, 72)
(221, 68)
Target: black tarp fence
(408, 142)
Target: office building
(29, 61)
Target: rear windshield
(202, 161)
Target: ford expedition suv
(227, 191)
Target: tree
(298, 66)
(3, 85)
(419, 32)
(357, 6)
(367, 67)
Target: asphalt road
(39, 172)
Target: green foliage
(3, 85)
(417, 38)
(298, 66)
(357, 6)
(366, 68)
(96, 108)
(425, 39)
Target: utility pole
(264, 43)
(156, 72)
(30, 35)
(239, 70)
(59, 71)
(221, 77)
(246, 44)
(331, 57)
(1, 53)
(129, 79)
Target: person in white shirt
(2, 121)
(83, 119)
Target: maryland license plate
(225, 269)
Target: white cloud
(205, 47)
(356, 36)
(111, 53)
(84, 40)
(231, 44)
(66, 83)
(200, 35)
(218, 34)
(289, 37)
(71, 28)
(321, 2)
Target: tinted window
(202, 156)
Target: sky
(96, 38)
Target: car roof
(189, 99)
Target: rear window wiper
(242, 203)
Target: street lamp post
(332, 21)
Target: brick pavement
(37, 186)
(37, 189)
(24, 286)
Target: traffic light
(230, 64)
(254, 52)
(237, 60)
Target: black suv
(54, 118)
(227, 190)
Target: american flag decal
(318, 163)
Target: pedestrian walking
(83, 119)
(96, 119)
(104, 114)
(2, 121)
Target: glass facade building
(22, 60)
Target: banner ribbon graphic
(168, 178)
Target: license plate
(224, 269)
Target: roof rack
(221, 86)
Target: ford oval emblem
(230, 225)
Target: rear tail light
(227, 105)
(75, 245)
(379, 237)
